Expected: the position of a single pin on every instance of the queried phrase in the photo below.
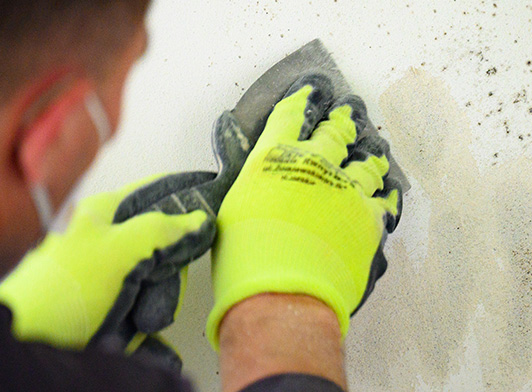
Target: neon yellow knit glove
(62, 291)
(307, 216)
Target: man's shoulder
(33, 366)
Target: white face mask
(39, 191)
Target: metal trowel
(236, 132)
(254, 107)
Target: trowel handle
(187, 192)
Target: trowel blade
(256, 104)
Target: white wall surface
(450, 83)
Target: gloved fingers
(391, 200)
(183, 277)
(296, 115)
(368, 164)
(359, 114)
(115, 329)
(332, 136)
(188, 248)
(156, 350)
(371, 144)
(317, 102)
(102, 206)
(169, 258)
(368, 173)
(160, 294)
(156, 304)
(157, 231)
(159, 302)
(147, 197)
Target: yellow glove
(62, 291)
(307, 216)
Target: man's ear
(38, 136)
(59, 142)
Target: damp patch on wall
(454, 310)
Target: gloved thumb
(102, 207)
(146, 233)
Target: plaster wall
(450, 85)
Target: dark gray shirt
(32, 367)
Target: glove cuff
(259, 256)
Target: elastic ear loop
(99, 117)
(39, 191)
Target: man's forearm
(271, 334)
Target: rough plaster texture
(450, 85)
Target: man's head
(54, 54)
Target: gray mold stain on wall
(454, 311)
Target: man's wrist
(271, 334)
